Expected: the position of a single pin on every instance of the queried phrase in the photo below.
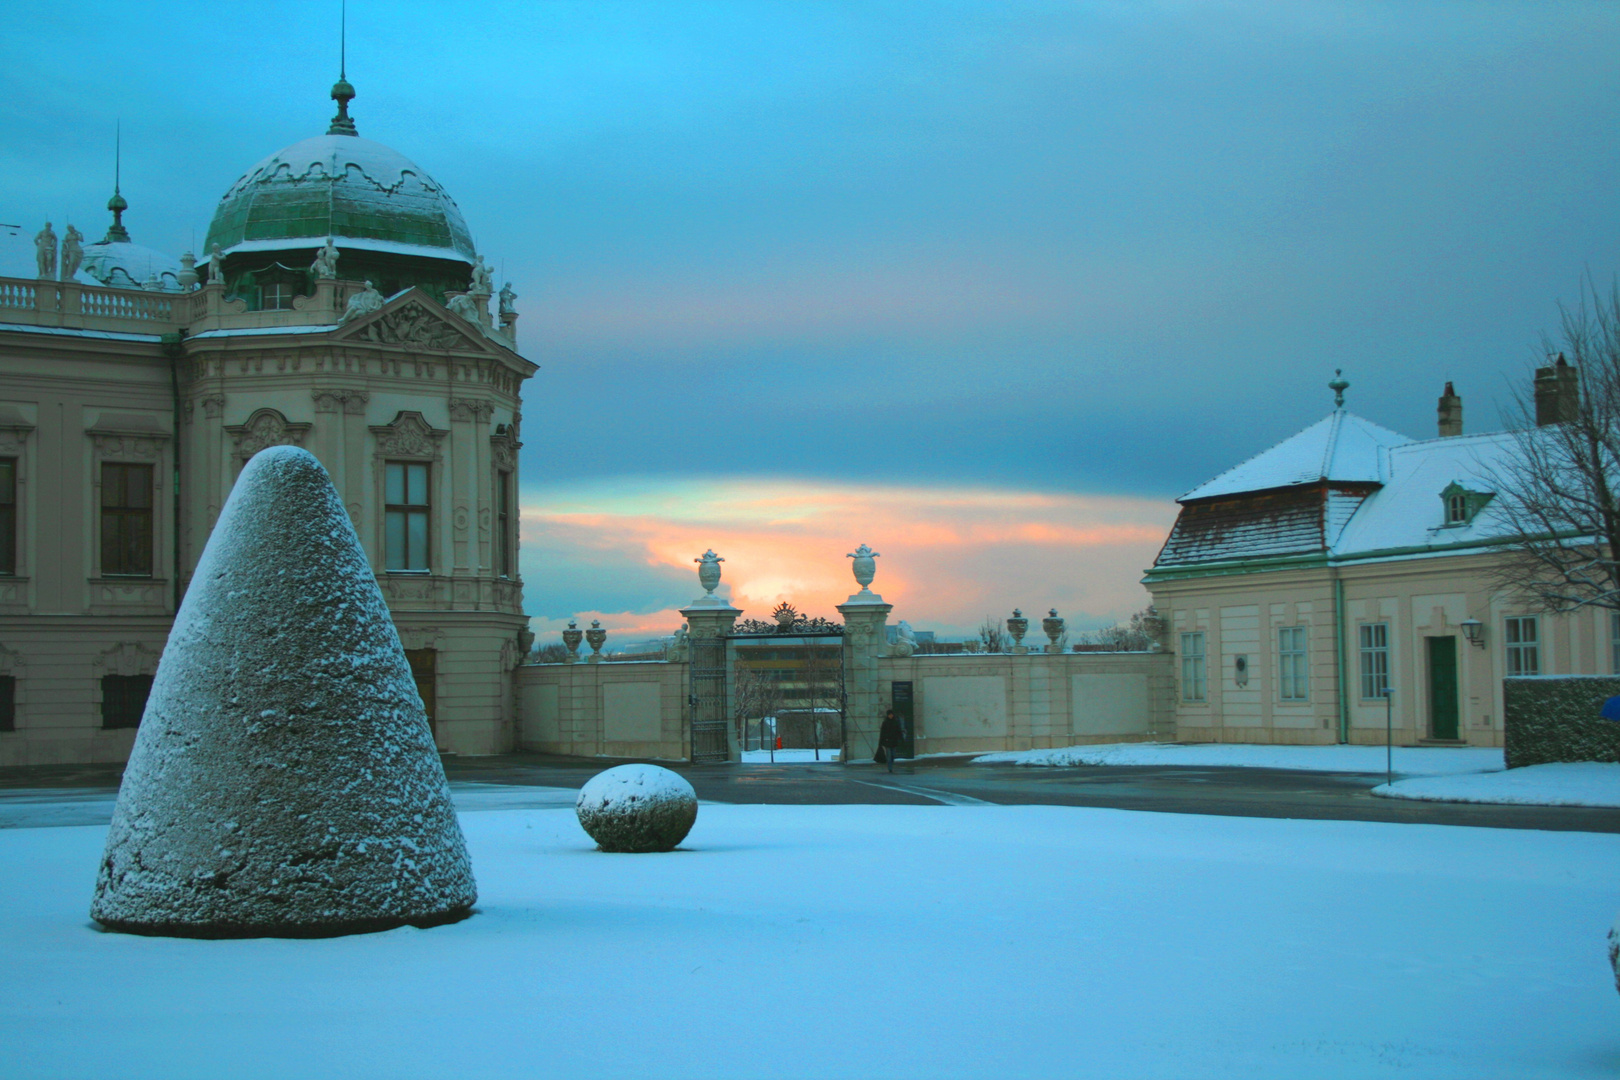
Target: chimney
(1450, 413)
(1558, 393)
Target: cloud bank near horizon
(623, 552)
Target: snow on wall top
(1340, 447)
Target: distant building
(135, 385)
(1297, 586)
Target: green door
(1443, 687)
(904, 711)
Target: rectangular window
(8, 703)
(1293, 665)
(8, 515)
(405, 515)
(275, 296)
(1614, 642)
(1523, 651)
(503, 523)
(1374, 659)
(123, 699)
(126, 519)
(1194, 675)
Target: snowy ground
(1409, 761)
(870, 941)
(1586, 783)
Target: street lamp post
(1389, 735)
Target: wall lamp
(1474, 631)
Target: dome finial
(342, 90)
(116, 233)
(1339, 385)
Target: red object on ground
(779, 742)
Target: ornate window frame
(14, 432)
(503, 455)
(263, 428)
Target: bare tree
(553, 652)
(1558, 489)
(992, 638)
(1133, 636)
(822, 687)
(755, 695)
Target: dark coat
(890, 734)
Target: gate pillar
(866, 617)
(708, 622)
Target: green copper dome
(361, 193)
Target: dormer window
(1461, 504)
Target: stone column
(865, 635)
(708, 620)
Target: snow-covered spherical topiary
(284, 780)
(637, 808)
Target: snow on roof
(59, 331)
(1408, 511)
(1342, 446)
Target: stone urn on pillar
(1018, 626)
(571, 640)
(865, 568)
(1053, 627)
(594, 637)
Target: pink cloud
(949, 556)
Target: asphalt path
(78, 795)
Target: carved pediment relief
(129, 658)
(409, 436)
(266, 427)
(413, 325)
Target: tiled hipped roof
(1282, 521)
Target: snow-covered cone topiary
(284, 780)
(637, 808)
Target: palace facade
(341, 307)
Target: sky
(985, 286)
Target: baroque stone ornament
(326, 259)
(45, 251)
(905, 641)
(571, 639)
(361, 303)
(709, 571)
(637, 809)
(284, 780)
(1018, 626)
(465, 306)
(411, 324)
(864, 566)
(188, 268)
(1053, 627)
(266, 427)
(408, 436)
(73, 254)
(595, 637)
(216, 270)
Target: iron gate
(707, 700)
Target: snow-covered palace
(339, 305)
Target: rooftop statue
(216, 267)
(45, 251)
(465, 306)
(481, 282)
(363, 302)
(325, 265)
(72, 253)
(508, 300)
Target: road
(80, 795)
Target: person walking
(889, 736)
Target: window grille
(1523, 646)
(123, 699)
(405, 514)
(1293, 664)
(126, 519)
(1374, 659)
(1194, 674)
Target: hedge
(1555, 718)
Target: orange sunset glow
(949, 556)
